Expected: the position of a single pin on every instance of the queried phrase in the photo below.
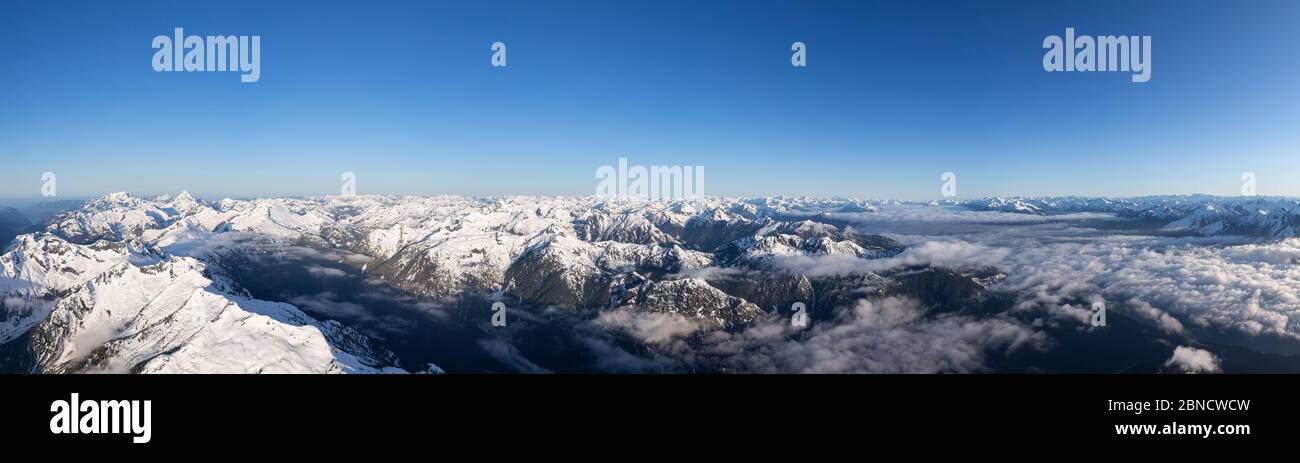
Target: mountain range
(1261, 217)
(132, 284)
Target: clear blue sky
(894, 94)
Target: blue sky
(894, 94)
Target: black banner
(315, 412)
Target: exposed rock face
(693, 298)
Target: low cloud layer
(1239, 288)
(1056, 268)
(881, 336)
(328, 305)
(946, 253)
(1175, 283)
(888, 335)
(649, 327)
(1193, 360)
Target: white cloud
(945, 253)
(322, 271)
(21, 305)
(1160, 318)
(1177, 284)
(326, 303)
(508, 354)
(823, 265)
(1235, 288)
(650, 327)
(1193, 360)
(889, 335)
(711, 273)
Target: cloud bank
(886, 335)
(1193, 360)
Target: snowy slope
(170, 317)
(120, 301)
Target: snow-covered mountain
(119, 307)
(94, 292)
(135, 284)
(172, 317)
(127, 283)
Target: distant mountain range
(1262, 217)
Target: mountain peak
(116, 197)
